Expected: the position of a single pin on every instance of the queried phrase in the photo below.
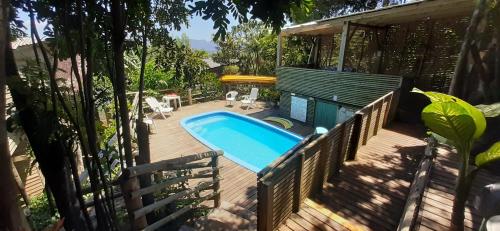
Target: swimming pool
(251, 143)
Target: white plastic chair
(159, 108)
(231, 97)
(249, 100)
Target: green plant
(270, 94)
(231, 70)
(459, 124)
(41, 216)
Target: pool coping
(229, 155)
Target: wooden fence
(171, 187)
(304, 171)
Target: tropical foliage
(251, 46)
(456, 122)
(94, 36)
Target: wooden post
(343, 46)
(394, 105)
(356, 135)
(323, 164)
(132, 204)
(338, 157)
(379, 112)
(388, 99)
(215, 176)
(315, 57)
(278, 50)
(265, 205)
(144, 157)
(190, 96)
(367, 127)
(297, 183)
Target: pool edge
(231, 157)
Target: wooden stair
(227, 217)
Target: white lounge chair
(231, 97)
(249, 100)
(159, 108)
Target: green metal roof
(358, 89)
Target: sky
(198, 28)
(201, 29)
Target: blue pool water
(245, 140)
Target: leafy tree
(188, 64)
(252, 46)
(272, 13)
(92, 35)
(455, 122)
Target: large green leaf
(449, 120)
(490, 155)
(491, 110)
(476, 114)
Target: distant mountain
(205, 45)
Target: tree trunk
(459, 75)
(50, 153)
(118, 37)
(10, 214)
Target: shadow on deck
(370, 192)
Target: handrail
(420, 180)
(285, 156)
(209, 179)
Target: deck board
(371, 191)
(437, 202)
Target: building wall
(353, 90)
(285, 101)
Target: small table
(166, 99)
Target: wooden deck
(369, 193)
(437, 202)
(170, 140)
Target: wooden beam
(278, 51)
(343, 46)
(368, 26)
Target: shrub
(41, 216)
(231, 70)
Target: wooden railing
(196, 169)
(303, 172)
(192, 96)
(420, 180)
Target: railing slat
(150, 208)
(169, 182)
(170, 164)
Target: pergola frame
(381, 18)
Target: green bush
(41, 216)
(270, 94)
(155, 78)
(231, 70)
